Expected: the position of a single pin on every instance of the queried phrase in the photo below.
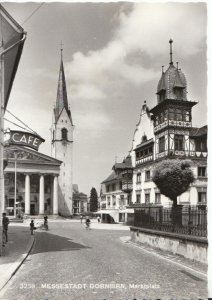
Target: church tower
(62, 144)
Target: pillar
(27, 194)
(41, 195)
(55, 196)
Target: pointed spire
(62, 99)
(170, 42)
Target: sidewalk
(19, 244)
(197, 267)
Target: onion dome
(172, 84)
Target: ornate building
(163, 132)
(62, 144)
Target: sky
(112, 53)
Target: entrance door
(10, 207)
(32, 209)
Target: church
(38, 184)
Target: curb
(13, 267)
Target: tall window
(138, 178)
(178, 142)
(202, 171)
(138, 198)
(147, 175)
(157, 198)
(162, 144)
(64, 132)
(202, 198)
(147, 198)
(179, 115)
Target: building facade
(115, 194)
(30, 182)
(62, 144)
(163, 132)
(80, 201)
(166, 132)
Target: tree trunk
(176, 213)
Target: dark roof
(62, 99)
(113, 176)
(162, 104)
(197, 132)
(150, 141)
(127, 163)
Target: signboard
(25, 139)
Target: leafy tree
(173, 177)
(93, 200)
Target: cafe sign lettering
(25, 139)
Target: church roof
(62, 99)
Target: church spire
(62, 99)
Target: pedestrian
(98, 219)
(81, 218)
(87, 222)
(5, 223)
(32, 227)
(45, 224)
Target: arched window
(64, 132)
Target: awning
(12, 35)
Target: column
(55, 195)
(41, 195)
(27, 194)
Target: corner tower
(172, 116)
(62, 144)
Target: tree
(173, 177)
(93, 200)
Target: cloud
(130, 58)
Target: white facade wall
(145, 126)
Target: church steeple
(62, 99)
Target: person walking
(45, 224)
(5, 223)
(81, 218)
(32, 227)
(98, 219)
(87, 222)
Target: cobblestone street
(70, 262)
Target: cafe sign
(25, 139)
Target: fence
(185, 219)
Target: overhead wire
(34, 11)
(22, 122)
(14, 124)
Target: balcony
(127, 186)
